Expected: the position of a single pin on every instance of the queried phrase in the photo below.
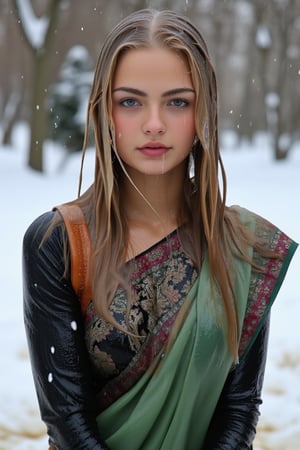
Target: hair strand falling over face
(206, 232)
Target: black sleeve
(233, 425)
(54, 329)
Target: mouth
(154, 149)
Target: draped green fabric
(171, 405)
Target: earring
(196, 139)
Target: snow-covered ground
(254, 181)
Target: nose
(154, 123)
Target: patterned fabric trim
(263, 288)
(161, 279)
(136, 368)
(265, 285)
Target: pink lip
(154, 149)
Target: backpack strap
(80, 251)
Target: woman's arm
(233, 425)
(55, 335)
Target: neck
(155, 200)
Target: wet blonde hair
(210, 228)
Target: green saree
(171, 405)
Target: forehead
(148, 66)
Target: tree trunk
(41, 63)
(281, 150)
(10, 115)
(39, 115)
(38, 119)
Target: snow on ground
(254, 181)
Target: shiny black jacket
(61, 367)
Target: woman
(170, 352)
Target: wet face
(153, 111)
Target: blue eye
(129, 102)
(179, 102)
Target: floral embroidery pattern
(161, 278)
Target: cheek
(123, 126)
(118, 121)
(119, 127)
(185, 127)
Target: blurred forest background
(48, 49)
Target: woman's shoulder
(253, 221)
(265, 233)
(245, 215)
(40, 224)
(43, 225)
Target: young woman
(170, 352)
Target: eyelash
(183, 103)
(123, 102)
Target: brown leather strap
(80, 251)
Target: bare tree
(276, 22)
(10, 112)
(253, 43)
(284, 13)
(12, 86)
(39, 35)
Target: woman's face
(153, 111)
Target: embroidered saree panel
(166, 395)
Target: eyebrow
(143, 94)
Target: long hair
(211, 226)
